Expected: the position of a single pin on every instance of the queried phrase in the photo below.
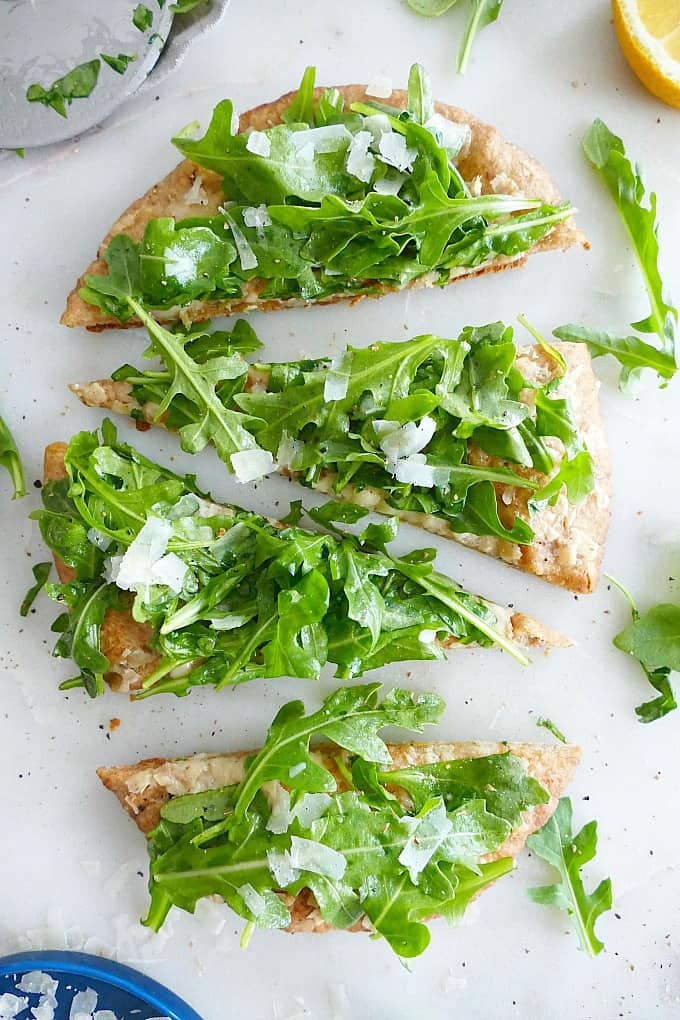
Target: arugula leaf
(10, 459)
(351, 717)
(186, 6)
(568, 853)
(301, 108)
(653, 639)
(606, 152)
(482, 13)
(420, 103)
(41, 571)
(120, 63)
(80, 629)
(142, 17)
(78, 83)
(361, 851)
(550, 726)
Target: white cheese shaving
(289, 452)
(504, 185)
(378, 124)
(394, 150)
(279, 802)
(409, 439)
(414, 470)
(454, 137)
(144, 563)
(306, 153)
(251, 465)
(427, 637)
(279, 863)
(384, 426)
(380, 87)
(426, 836)
(308, 855)
(475, 186)
(328, 138)
(12, 1005)
(235, 122)
(337, 378)
(246, 255)
(196, 195)
(255, 903)
(311, 807)
(390, 185)
(100, 540)
(257, 216)
(84, 1003)
(259, 144)
(180, 264)
(360, 162)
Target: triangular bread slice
(142, 790)
(490, 160)
(126, 643)
(569, 538)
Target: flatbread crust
(142, 790)
(489, 157)
(126, 643)
(569, 541)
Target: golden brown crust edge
(489, 157)
(142, 789)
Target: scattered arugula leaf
(10, 459)
(549, 725)
(119, 63)
(568, 853)
(481, 14)
(142, 17)
(78, 83)
(653, 639)
(360, 851)
(20, 153)
(186, 6)
(607, 154)
(41, 571)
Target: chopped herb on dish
(78, 83)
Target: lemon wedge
(649, 35)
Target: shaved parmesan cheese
(246, 255)
(257, 216)
(180, 264)
(290, 452)
(310, 808)
(409, 439)
(427, 834)
(252, 899)
(360, 162)
(337, 379)
(378, 124)
(452, 136)
(390, 185)
(98, 539)
(11, 1005)
(308, 855)
(306, 153)
(413, 470)
(504, 185)
(279, 802)
(251, 465)
(393, 150)
(280, 865)
(328, 138)
(259, 144)
(475, 186)
(196, 194)
(144, 563)
(384, 426)
(380, 87)
(427, 637)
(84, 1003)
(235, 122)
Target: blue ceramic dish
(127, 993)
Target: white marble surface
(70, 858)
